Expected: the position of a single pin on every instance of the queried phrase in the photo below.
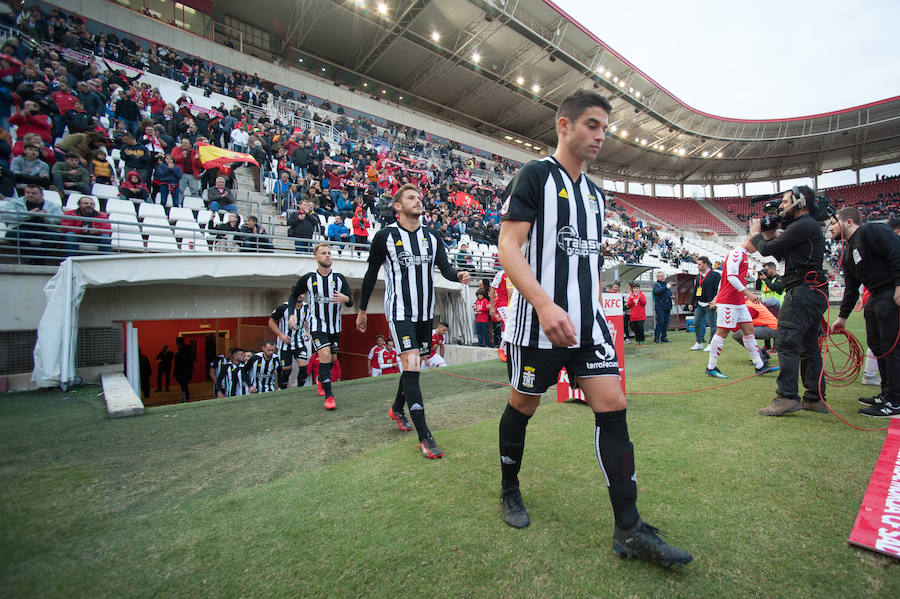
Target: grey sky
(761, 59)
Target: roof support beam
(399, 27)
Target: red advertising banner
(877, 525)
(613, 309)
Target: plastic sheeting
(54, 352)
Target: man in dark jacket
(662, 304)
(303, 224)
(184, 367)
(703, 299)
(262, 158)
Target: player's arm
(377, 255)
(887, 244)
(273, 326)
(345, 295)
(851, 294)
(555, 321)
(292, 301)
(250, 372)
(450, 273)
(220, 382)
(212, 372)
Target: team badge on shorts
(528, 376)
(405, 342)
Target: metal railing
(29, 238)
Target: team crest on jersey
(563, 194)
(528, 376)
(568, 241)
(593, 205)
(504, 209)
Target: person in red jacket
(29, 119)
(360, 226)
(78, 230)
(188, 160)
(482, 318)
(637, 303)
(387, 359)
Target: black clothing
(773, 283)
(801, 246)
(797, 339)
(871, 257)
(708, 286)
(882, 324)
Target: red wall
(354, 342)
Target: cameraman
(872, 257)
(770, 285)
(801, 245)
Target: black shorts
(322, 339)
(298, 353)
(409, 335)
(532, 370)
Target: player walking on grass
(732, 313)
(407, 254)
(555, 214)
(327, 292)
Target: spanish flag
(214, 156)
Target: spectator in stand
(303, 225)
(385, 210)
(253, 239)
(168, 177)
(239, 139)
(127, 111)
(71, 176)
(482, 318)
(637, 303)
(283, 193)
(220, 197)
(464, 257)
(29, 119)
(187, 159)
(343, 204)
(133, 188)
(86, 145)
(35, 232)
(76, 230)
(136, 157)
(262, 158)
(338, 231)
(100, 169)
(30, 168)
(76, 119)
(360, 227)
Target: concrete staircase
(715, 211)
(252, 202)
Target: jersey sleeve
(278, 313)
(299, 289)
(524, 195)
(497, 280)
(443, 264)
(251, 369)
(345, 289)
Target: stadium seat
(53, 197)
(105, 191)
(125, 223)
(193, 203)
(180, 213)
(127, 241)
(203, 217)
(146, 209)
(117, 206)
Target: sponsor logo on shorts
(603, 364)
(528, 377)
(605, 352)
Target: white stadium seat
(105, 191)
(177, 213)
(127, 240)
(53, 197)
(125, 223)
(146, 209)
(117, 206)
(193, 203)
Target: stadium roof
(502, 66)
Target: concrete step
(121, 400)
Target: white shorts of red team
(435, 361)
(730, 316)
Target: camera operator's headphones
(800, 200)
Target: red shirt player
(373, 355)
(436, 358)
(387, 359)
(500, 291)
(732, 313)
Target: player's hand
(253, 389)
(838, 325)
(292, 321)
(897, 295)
(362, 321)
(464, 277)
(557, 325)
(859, 305)
(712, 305)
(755, 226)
(752, 297)
(339, 298)
(284, 338)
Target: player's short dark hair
(894, 223)
(635, 285)
(851, 213)
(575, 104)
(772, 264)
(234, 350)
(402, 190)
(268, 342)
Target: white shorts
(435, 361)
(503, 311)
(376, 372)
(730, 316)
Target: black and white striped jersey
(281, 315)
(564, 249)
(233, 380)
(264, 373)
(324, 314)
(218, 364)
(407, 259)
